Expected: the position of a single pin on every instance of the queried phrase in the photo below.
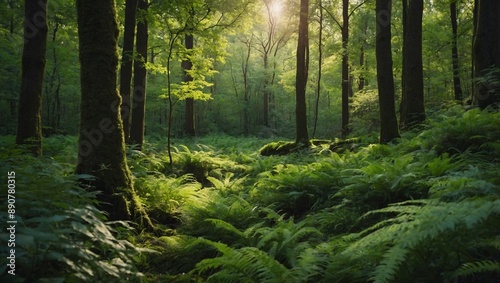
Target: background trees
(245, 51)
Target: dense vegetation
(392, 175)
(425, 209)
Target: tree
(127, 63)
(412, 104)
(277, 34)
(346, 78)
(101, 146)
(187, 65)
(486, 53)
(457, 87)
(140, 76)
(320, 62)
(345, 68)
(385, 77)
(29, 130)
(302, 136)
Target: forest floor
(424, 209)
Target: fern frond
(473, 268)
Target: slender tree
(302, 136)
(187, 65)
(486, 55)
(320, 63)
(412, 103)
(385, 78)
(127, 63)
(101, 146)
(345, 68)
(29, 129)
(457, 87)
(140, 76)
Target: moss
(281, 148)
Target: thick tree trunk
(101, 147)
(345, 68)
(412, 104)
(457, 87)
(190, 125)
(29, 129)
(140, 77)
(302, 136)
(126, 65)
(385, 77)
(487, 53)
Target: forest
(250, 141)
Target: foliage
(60, 235)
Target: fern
(417, 225)
(473, 268)
(247, 264)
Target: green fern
(247, 264)
(417, 225)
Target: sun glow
(276, 8)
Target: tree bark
(487, 53)
(189, 126)
(320, 63)
(345, 68)
(29, 130)
(385, 78)
(302, 136)
(101, 147)
(457, 87)
(127, 63)
(140, 77)
(412, 103)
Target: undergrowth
(425, 209)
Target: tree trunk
(189, 126)
(29, 129)
(126, 66)
(457, 88)
(302, 136)
(101, 147)
(412, 104)
(385, 77)
(140, 77)
(487, 53)
(320, 62)
(345, 68)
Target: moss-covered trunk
(101, 147)
(29, 130)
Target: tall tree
(320, 63)
(346, 78)
(385, 77)
(140, 76)
(127, 63)
(302, 136)
(457, 87)
(412, 102)
(269, 45)
(29, 129)
(345, 68)
(487, 53)
(187, 65)
(101, 146)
